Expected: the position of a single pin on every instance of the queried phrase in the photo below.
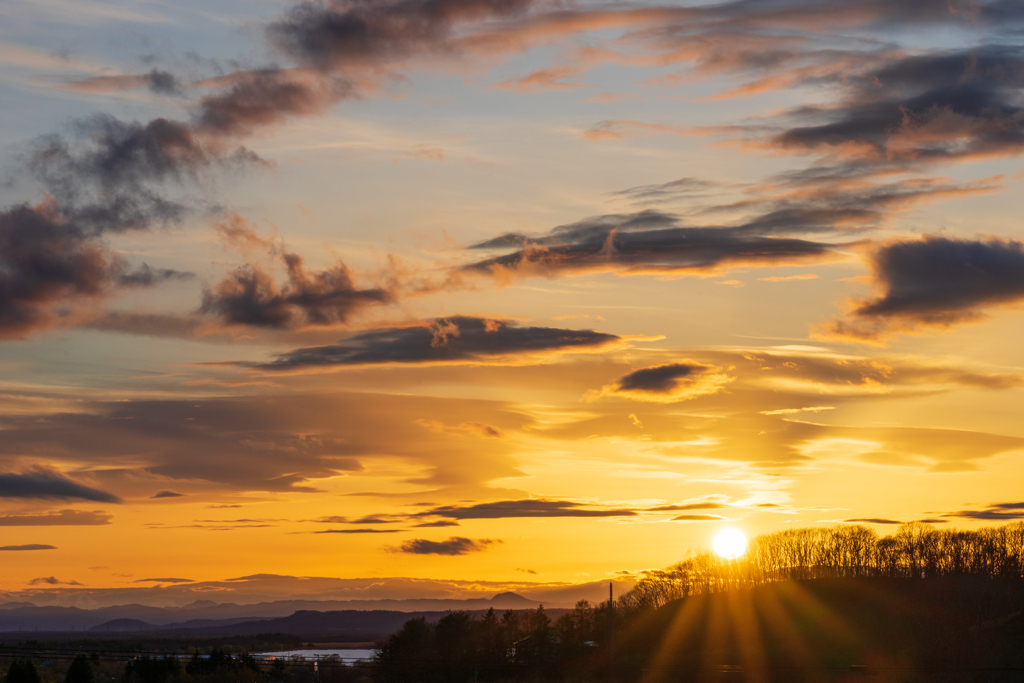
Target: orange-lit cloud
(541, 80)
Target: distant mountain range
(299, 617)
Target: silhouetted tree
(146, 669)
(22, 671)
(80, 671)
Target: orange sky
(441, 298)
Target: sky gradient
(439, 298)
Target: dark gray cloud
(683, 187)
(109, 175)
(668, 383)
(936, 281)
(52, 581)
(156, 81)
(456, 545)
(359, 531)
(510, 509)
(992, 512)
(46, 484)
(28, 546)
(336, 34)
(106, 176)
(250, 296)
(368, 519)
(873, 520)
(444, 340)
(878, 14)
(653, 242)
(59, 518)
(167, 494)
(46, 261)
(163, 82)
(265, 97)
(146, 276)
(660, 378)
(941, 280)
(689, 506)
(934, 107)
(438, 523)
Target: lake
(347, 656)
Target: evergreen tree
(80, 671)
(22, 671)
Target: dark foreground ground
(947, 630)
(879, 630)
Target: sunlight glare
(730, 543)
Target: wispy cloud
(456, 545)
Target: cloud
(172, 580)
(109, 175)
(439, 523)
(61, 518)
(934, 107)
(617, 129)
(368, 519)
(873, 520)
(336, 35)
(791, 411)
(788, 278)
(39, 483)
(263, 442)
(457, 339)
(29, 546)
(935, 282)
(480, 429)
(156, 81)
(675, 189)
(667, 383)
(359, 531)
(456, 545)
(689, 506)
(249, 296)
(106, 177)
(167, 494)
(650, 242)
(52, 581)
(48, 262)
(257, 99)
(698, 518)
(544, 80)
(992, 512)
(510, 509)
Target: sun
(730, 543)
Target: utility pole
(611, 634)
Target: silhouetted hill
(796, 630)
(119, 625)
(204, 614)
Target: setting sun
(730, 543)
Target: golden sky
(425, 298)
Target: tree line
(580, 644)
(915, 550)
(217, 665)
(519, 644)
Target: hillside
(893, 628)
(208, 616)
